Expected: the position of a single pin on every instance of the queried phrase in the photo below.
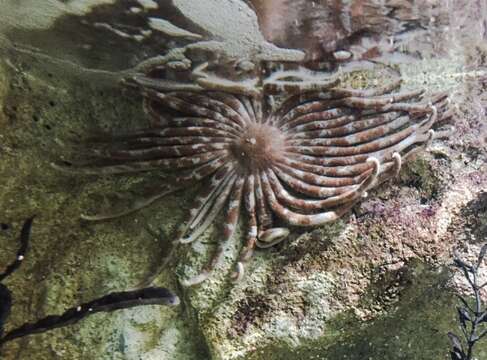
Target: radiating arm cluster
(304, 163)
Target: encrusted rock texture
(376, 284)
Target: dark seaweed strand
(24, 244)
(473, 321)
(110, 302)
(5, 305)
(5, 295)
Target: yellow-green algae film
(375, 284)
(44, 103)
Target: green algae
(475, 217)
(415, 328)
(420, 174)
(72, 261)
(45, 102)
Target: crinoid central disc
(258, 146)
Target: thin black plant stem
(478, 308)
(471, 317)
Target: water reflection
(366, 29)
(119, 35)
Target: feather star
(306, 162)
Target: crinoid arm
(304, 161)
(298, 81)
(272, 237)
(137, 204)
(231, 220)
(212, 82)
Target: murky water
(260, 179)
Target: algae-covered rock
(46, 105)
(375, 284)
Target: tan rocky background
(375, 285)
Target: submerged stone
(370, 285)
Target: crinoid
(305, 162)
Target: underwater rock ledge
(339, 291)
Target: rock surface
(375, 284)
